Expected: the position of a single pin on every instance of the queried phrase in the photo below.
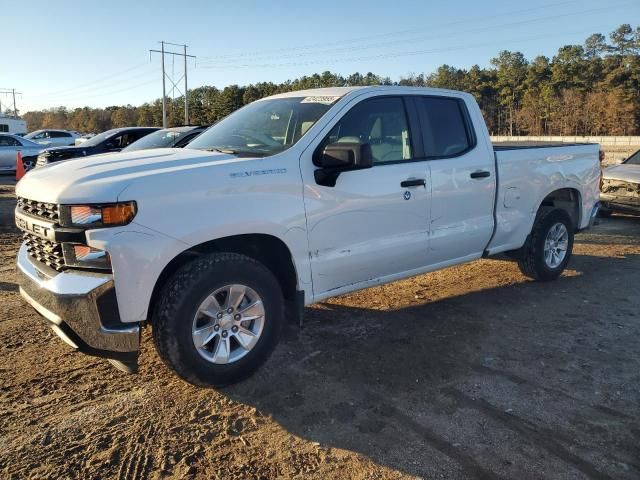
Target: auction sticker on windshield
(325, 100)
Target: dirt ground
(471, 372)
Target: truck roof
(342, 91)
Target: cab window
(380, 122)
(444, 127)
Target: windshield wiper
(230, 151)
(233, 151)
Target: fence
(615, 149)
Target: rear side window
(59, 134)
(446, 131)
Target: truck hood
(626, 173)
(100, 179)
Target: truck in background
(12, 125)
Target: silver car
(620, 190)
(10, 145)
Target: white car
(288, 201)
(53, 138)
(10, 145)
(621, 187)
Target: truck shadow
(380, 382)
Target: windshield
(264, 127)
(93, 141)
(159, 139)
(633, 159)
(29, 136)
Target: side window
(444, 127)
(380, 122)
(114, 142)
(40, 136)
(633, 159)
(8, 142)
(4, 127)
(59, 134)
(134, 136)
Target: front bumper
(81, 307)
(620, 203)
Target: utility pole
(163, 52)
(164, 95)
(186, 89)
(15, 110)
(13, 92)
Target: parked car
(53, 138)
(10, 145)
(106, 142)
(176, 137)
(288, 201)
(83, 138)
(620, 190)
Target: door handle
(480, 174)
(414, 182)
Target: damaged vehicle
(288, 201)
(620, 191)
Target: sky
(96, 53)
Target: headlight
(95, 216)
(83, 256)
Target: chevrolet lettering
(37, 227)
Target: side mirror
(340, 157)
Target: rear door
(374, 222)
(61, 139)
(462, 180)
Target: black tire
(531, 259)
(179, 300)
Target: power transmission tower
(13, 92)
(163, 52)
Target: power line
(13, 93)
(184, 55)
(212, 64)
(86, 85)
(395, 54)
(390, 34)
(91, 90)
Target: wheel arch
(269, 250)
(568, 199)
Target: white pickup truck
(288, 201)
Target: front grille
(42, 161)
(46, 211)
(44, 251)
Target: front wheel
(218, 319)
(548, 248)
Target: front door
(374, 222)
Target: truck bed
(527, 172)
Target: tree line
(589, 89)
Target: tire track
(137, 463)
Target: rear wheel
(218, 319)
(548, 248)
